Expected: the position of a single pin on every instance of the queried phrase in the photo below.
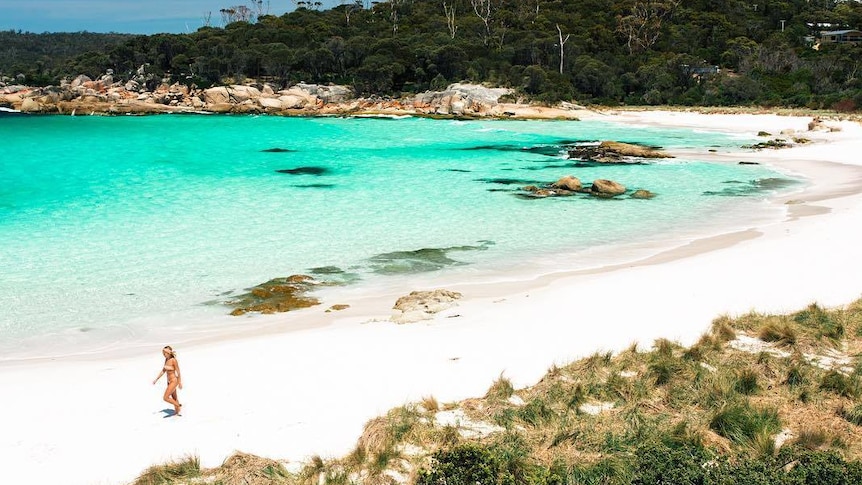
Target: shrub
(466, 464)
(845, 105)
(657, 463)
(608, 471)
(824, 468)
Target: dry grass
(242, 468)
(500, 390)
(169, 473)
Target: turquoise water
(115, 227)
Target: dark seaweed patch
(461, 170)
(552, 149)
(335, 275)
(314, 186)
(278, 150)
(305, 171)
(506, 181)
(420, 260)
(588, 163)
(326, 270)
(743, 189)
(546, 167)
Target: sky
(124, 16)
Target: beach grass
(171, 473)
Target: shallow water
(115, 227)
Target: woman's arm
(179, 377)
(158, 376)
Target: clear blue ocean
(116, 227)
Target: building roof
(839, 32)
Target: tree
(642, 27)
(562, 45)
(483, 11)
(449, 12)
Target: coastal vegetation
(635, 52)
(760, 398)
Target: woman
(172, 369)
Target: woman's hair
(170, 350)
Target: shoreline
(291, 394)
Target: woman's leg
(170, 395)
(177, 399)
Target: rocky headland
(138, 95)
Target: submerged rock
(276, 296)
(277, 150)
(642, 194)
(423, 305)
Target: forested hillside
(689, 52)
(42, 57)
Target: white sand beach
(289, 395)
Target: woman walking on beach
(172, 369)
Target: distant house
(841, 37)
(698, 71)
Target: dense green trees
(614, 51)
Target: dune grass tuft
(430, 404)
(742, 423)
(722, 329)
(852, 414)
(500, 390)
(746, 382)
(536, 412)
(838, 383)
(821, 321)
(779, 332)
(812, 438)
(251, 470)
(795, 376)
(169, 473)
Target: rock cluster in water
(276, 296)
(611, 152)
(570, 185)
